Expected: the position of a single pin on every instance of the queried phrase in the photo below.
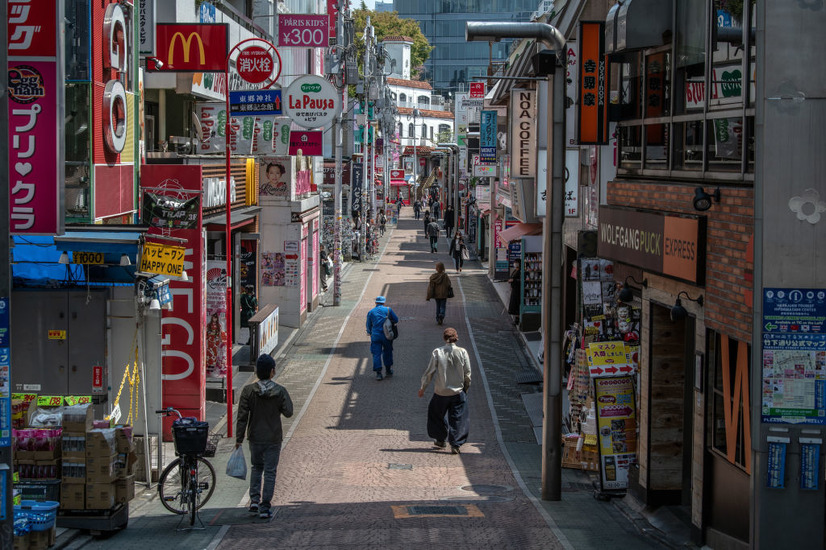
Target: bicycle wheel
(173, 487)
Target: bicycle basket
(190, 436)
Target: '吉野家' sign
(312, 102)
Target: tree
(389, 24)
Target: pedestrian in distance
(449, 220)
(249, 306)
(515, 281)
(440, 289)
(436, 208)
(458, 250)
(380, 346)
(447, 413)
(399, 204)
(417, 209)
(432, 232)
(426, 221)
(260, 409)
(382, 222)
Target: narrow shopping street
(357, 469)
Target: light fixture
(64, 258)
(184, 276)
(627, 294)
(124, 260)
(678, 312)
(702, 200)
(154, 305)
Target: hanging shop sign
(523, 133)
(616, 430)
(250, 134)
(312, 102)
(591, 122)
(255, 64)
(607, 359)
(356, 182)
(794, 356)
(162, 259)
(190, 48)
(87, 258)
(170, 212)
(146, 27)
(669, 245)
(303, 31)
(306, 143)
(35, 119)
(487, 137)
(571, 182)
(259, 102)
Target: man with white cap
(380, 346)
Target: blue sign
(776, 467)
(809, 466)
(206, 13)
(255, 102)
(487, 137)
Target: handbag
(465, 254)
(237, 465)
(450, 292)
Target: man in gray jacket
(259, 418)
(449, 368)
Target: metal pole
(337, 135)
(415, 157)
(228, 238)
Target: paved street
(357, 468)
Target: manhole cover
(437, 510)
(528, 376)
(487, 489)
(570, 487)
(485, 498)
(393, 466)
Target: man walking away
(433, 234)
(259, 418)
(380, 347)
(449, 220)
(417, 208)
(449, 368)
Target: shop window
(725, 144)
(625, 87)
(688, 145)
(729, 366)
(76, 40)
(630, 146)
(656, 146)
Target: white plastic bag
(237, 465)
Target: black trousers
(447, 419)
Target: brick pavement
(357, 463)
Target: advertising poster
(608, 359)
(250, 134)
(272, 269)
(794, 356)
(776, 463)
(276, 178)
(292, 270)
(216, 329)
(616, 430)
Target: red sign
(591, 113)
(255, 64)
(477, 90)
(309, 143)
(183, 346)
(97, 377)
(332, 14)
(190, 48)
(303, 31)
(396, 174)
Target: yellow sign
(49, 400)
(87, 258)
(57, 335)
(162, 259)
(78, 399)
(187, 46)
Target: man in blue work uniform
(380, 346)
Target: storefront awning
(108, 242)
(520, 230)
(238, 218)
(398, 183)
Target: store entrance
(670, 421)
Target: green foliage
(389, 24)
(444, 137)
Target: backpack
(391, 331)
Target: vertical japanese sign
(591, 116)
(616, 430)
(655, 96)
(355, 185)
(36, 108)
(216, 329)
(146, 27)
(5, 375)
(487, 137)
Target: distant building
(454, 62)
(384, 6)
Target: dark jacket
(439, 283)
(456, 248)
(516, 291)
(432, 229)
(259, 412)
(449, 217)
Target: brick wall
(730, 226)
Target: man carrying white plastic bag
(259, 418)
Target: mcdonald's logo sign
(190, 48)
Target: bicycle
(189, 480)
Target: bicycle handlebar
(169, 410)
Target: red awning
(520, 230)
(398, 183)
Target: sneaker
(379, 376)
(454, 450)
(265, 514)
(440, 444)
(253, 508)
(389, 372)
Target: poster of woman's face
(275, 177)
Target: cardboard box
(23, 455)
(123, 439)
(39, 540)
(73, 497)
(22, 543)
(73, 472)
(100, 443)
(101, 469)
(78, 418)
(47, 455)
(100, 496)
(73, 446)
(125, 490)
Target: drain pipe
(551, 242)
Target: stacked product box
(77, 420)
(101, 470)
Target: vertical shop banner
(523, 133)
(487, 137)
(356, 183)
(592, 84)
(616, 430)
(249, 135)
(35, 111)
(182, 327)
(216, 329)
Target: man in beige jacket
(447, 414)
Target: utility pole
(368, 35)
(338, 131)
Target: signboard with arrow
(260, 102)
(608, 359)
